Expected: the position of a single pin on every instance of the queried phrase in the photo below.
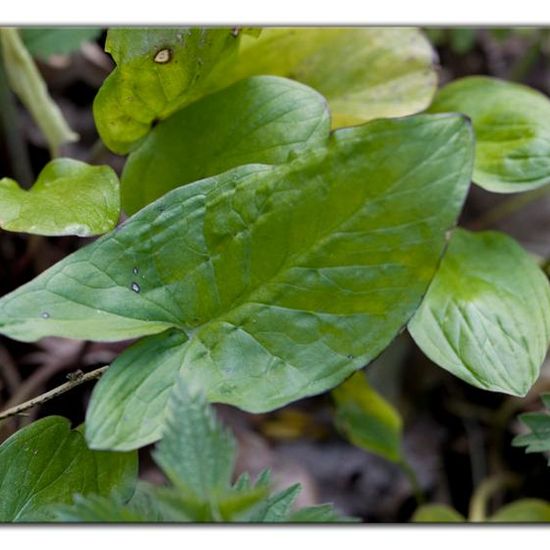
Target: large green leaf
(46, 463)
(286, 279)
(257, 120)
(69, 198)
(486, 316)
(43, 42)
(365, 73)
(512, 127)
(367, 419)
(527, 510)
(538, 439)
(157, 72)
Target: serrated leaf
(278, 301)
(512, 128)
(157, 72)
(437, 513)
(486, 316)
(43, 42)
(257, 120)
(538, 440)
(46, 463)
(196, 452)
(365, 73)
(69, 198)
(527, 510)
(367, 419)
(277, 508)
(323, 513)
(98, 509)
(25, 80)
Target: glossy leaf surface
(157, 72)
(364, 73)
(277, 300)
(486, 316)
(46, 463)
(512, 128)
(367, 419)
(257, 120)
(69, 198)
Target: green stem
(27, 82)
(413, 480)
(482, 495)
(11, 134)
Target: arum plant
(292, 210)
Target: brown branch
(76, 379)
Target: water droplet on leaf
(163, 56)
(135, 287)
(135, 270)
(45, 315)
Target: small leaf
(365, 73)
(367, 419)
(324, 513)
(69, 198)
(158, 70)
(437, 513)
(277, 301)
(46, 463)
(277, 508)
(512, 128)
(26, 81)
(47, 41)
(196, 453)
(258, 120)
(528, 510)
(486, 316)
(538, 440)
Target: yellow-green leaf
(69, 198)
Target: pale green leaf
(365, 73)
(286, 279)
(69, 198)
(257, 120)
(157, 72)
(98, 509)
(43, 42)
(486, 316)
(512, 128)
(437, 513)
(26, 81)
(367, 419)
(46, 463)
(528, 510)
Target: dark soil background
(455, 436)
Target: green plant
(268, 257)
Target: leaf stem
(10, 125)
(482, 495)
(413, 480)
(77, 379)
